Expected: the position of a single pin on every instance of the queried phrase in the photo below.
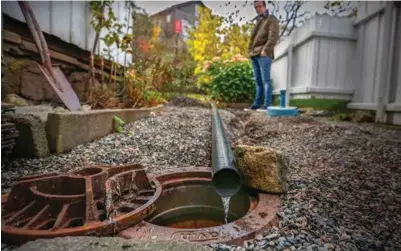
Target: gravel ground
(176, 138)
(345, 179)
(345, 184)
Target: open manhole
(198, 206)
(189, 209)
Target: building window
(168, 18)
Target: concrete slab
(32, 140)
(40, 111)
(66, 130)
(90, 243)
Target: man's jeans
(261, 70)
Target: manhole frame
(259, 218)
(16, 235)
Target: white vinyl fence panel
(378, 80)
(338, 57)
(320, 59)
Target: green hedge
(231, 81)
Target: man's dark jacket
(264, 36)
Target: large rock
(11, 71)
(82, 243)
(263, 168)
(16, 100)
(34, 86)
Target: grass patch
(356, 116)
(333, 105)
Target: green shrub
(231, 81)
(182, 71)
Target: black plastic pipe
(226, 178)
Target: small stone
(291, 240)
(272, 244)
(287, 244)
(345, 237)
(16, 100)
(318, 241)
(281, 239)
(280, 246)
(60, 109)
(262, 243)
(86, 108)
(259, 237)
(351, 247)
(320, 113)
(329, 246)
(272, 236)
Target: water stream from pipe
(226, 206)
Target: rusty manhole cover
(96, 200)
(189, 209)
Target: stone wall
(22, 76)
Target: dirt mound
(183, 101)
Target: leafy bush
(230, 81)
(153, 98)
(182, 70)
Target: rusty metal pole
(226, 178)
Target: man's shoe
(252, 108)
(262, 109)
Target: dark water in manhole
(198, 206)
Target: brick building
(175, 22)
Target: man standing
(264, 37)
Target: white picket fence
(357, 60)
